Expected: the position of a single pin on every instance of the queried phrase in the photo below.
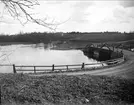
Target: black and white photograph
(66, 52)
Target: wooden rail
(59, 68)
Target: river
(33, 54)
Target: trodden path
(125, 70)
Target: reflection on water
(37, 55)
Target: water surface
(37, 55)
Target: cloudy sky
(76, 15)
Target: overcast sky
(82, 16)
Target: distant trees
(34, 37)
(37, 37)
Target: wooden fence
(61, 68)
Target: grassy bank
(20, 89)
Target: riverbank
(73, 88)
(21, 89)
(115, 88)
(14, 43)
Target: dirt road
(125, 70)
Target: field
(21, 89)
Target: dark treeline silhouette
(37, 37)
(33, 37)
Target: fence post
(67, 67)
(83, 66)
(14, 69)
(0, 94)
(34, 69)
(53, 67)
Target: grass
(21, 89)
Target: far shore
(10, 43)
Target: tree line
(44, 37)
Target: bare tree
(19, 10)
